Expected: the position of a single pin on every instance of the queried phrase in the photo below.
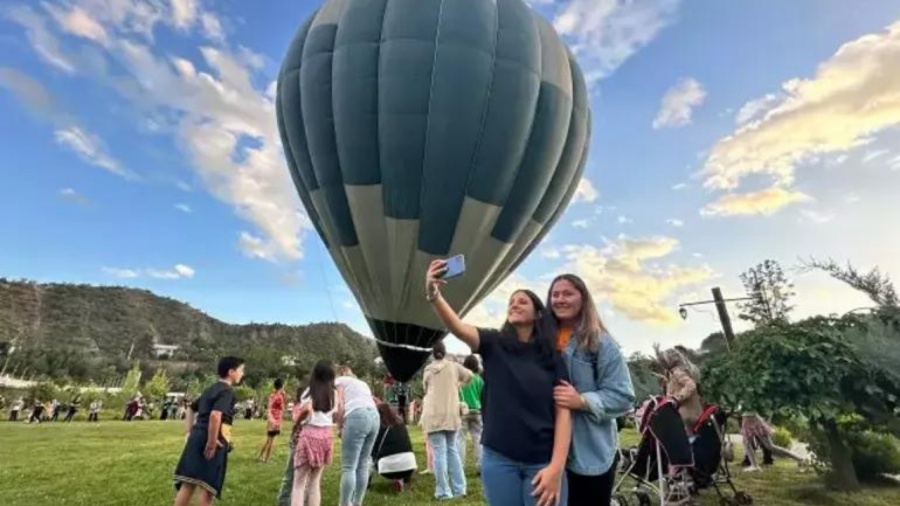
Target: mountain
(87, 332)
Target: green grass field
(117, 463)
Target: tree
(132, 382)
(875, 284)
(243, 393)
(643, 378)
(770, 291)
(43, 392)
(806, 369)
(158, 386)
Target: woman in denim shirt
(600, 392)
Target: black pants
(71, 414)
(591, 490)
(92, 417)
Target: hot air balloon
(420, 129)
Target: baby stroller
(667, 467)
(711, 467)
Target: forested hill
(95, 332)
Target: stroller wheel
(619, 500)
(643, 498)
(743, 498)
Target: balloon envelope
(418, 129)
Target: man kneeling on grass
(205, 454)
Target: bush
(872, 453)
(782, 437)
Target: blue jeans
(357, 440)
(287, 481)
(508, 482)
(447, 464)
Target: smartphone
(455, 267)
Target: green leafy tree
(193, 389)
(645, 382)
(243, 393)
(770, 293)
(132, 382)
(158, 386)
(806, 369)
(43, 392)
(877, 285)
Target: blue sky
(140, 148)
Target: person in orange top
(273, 428)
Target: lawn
(118, 463)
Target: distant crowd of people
(42, 412)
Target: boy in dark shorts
(205, 456)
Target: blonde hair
(589, 327)
(672, 358)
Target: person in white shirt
(313, 451)
(358, 423)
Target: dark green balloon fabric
(461, 117)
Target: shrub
(782, 437)
(872, 453)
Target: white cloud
(121, 273)
(674, 222)
(894, 163)
(757, 108)
(45, 44)
(678, 104)
(680, 186)
(551, 253)
(184, 13)
(212, 27)
(30, 91)
(816, 216)
(628, 274)
(179, 271)
(89, 148)
(257, 247)
(71, 195)
(183, 186)
(874, 154)
(212, 112)
(184, 270)
(606, 33)
(854, 95)
(585, 192)
(624, 219)
(184, 208)
(764, 202)
(581, 223)
(76, 21)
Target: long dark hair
(587, 330)
(388, 417)
(544, 331)
(321, 386)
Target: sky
(140, 148)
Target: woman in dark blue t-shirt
(526, 437)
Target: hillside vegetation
(94, 333)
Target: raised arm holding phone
(523, 428)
